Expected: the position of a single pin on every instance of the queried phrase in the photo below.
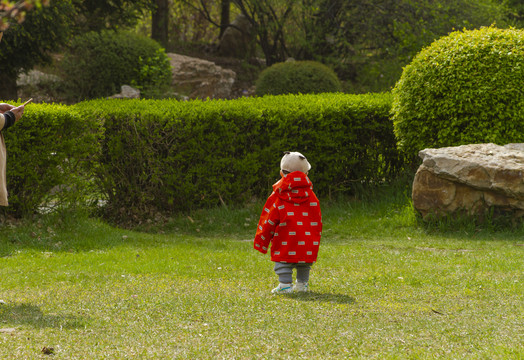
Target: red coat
(291, 221)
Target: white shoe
(283, 289)
(301, 287)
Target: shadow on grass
(28, 314)
(322, 297)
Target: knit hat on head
(294, 161)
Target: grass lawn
(385, 287)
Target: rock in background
(38, 85)
(127, 92)
(200, 79)
(471, 179)
(192, 78)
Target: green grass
(385, 287)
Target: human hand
(5, 107)
(18, 111)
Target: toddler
(291, 222)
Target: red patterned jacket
(291, 221)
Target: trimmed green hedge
(51, 153)
(145, 157)
(161, 156)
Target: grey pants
(285, 272)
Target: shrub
(304, 77)
(98, 64)
(463, 88)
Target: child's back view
(291, 222)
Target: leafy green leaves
(306, 77)
(165, 155)
(98, 64)
(464, 88)
(150, 157)
(52, 152)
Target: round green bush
(98, 64)
(464, 88)
(297, 77)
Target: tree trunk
(8, 89)
(159, 25)
(224, 16)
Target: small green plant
(98, 64)
(463, 88)
(297, 77)
(154, 75)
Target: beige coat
(3, 158)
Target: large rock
(35, 77)
(200, 79)
(127, 92)
(470, 179)
(36, 84)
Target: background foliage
(96, 15)
(97, 64)
(367, 42)
(30, 43)
(11, 11)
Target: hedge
(159, 156)
(51, 154)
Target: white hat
(294, 161)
